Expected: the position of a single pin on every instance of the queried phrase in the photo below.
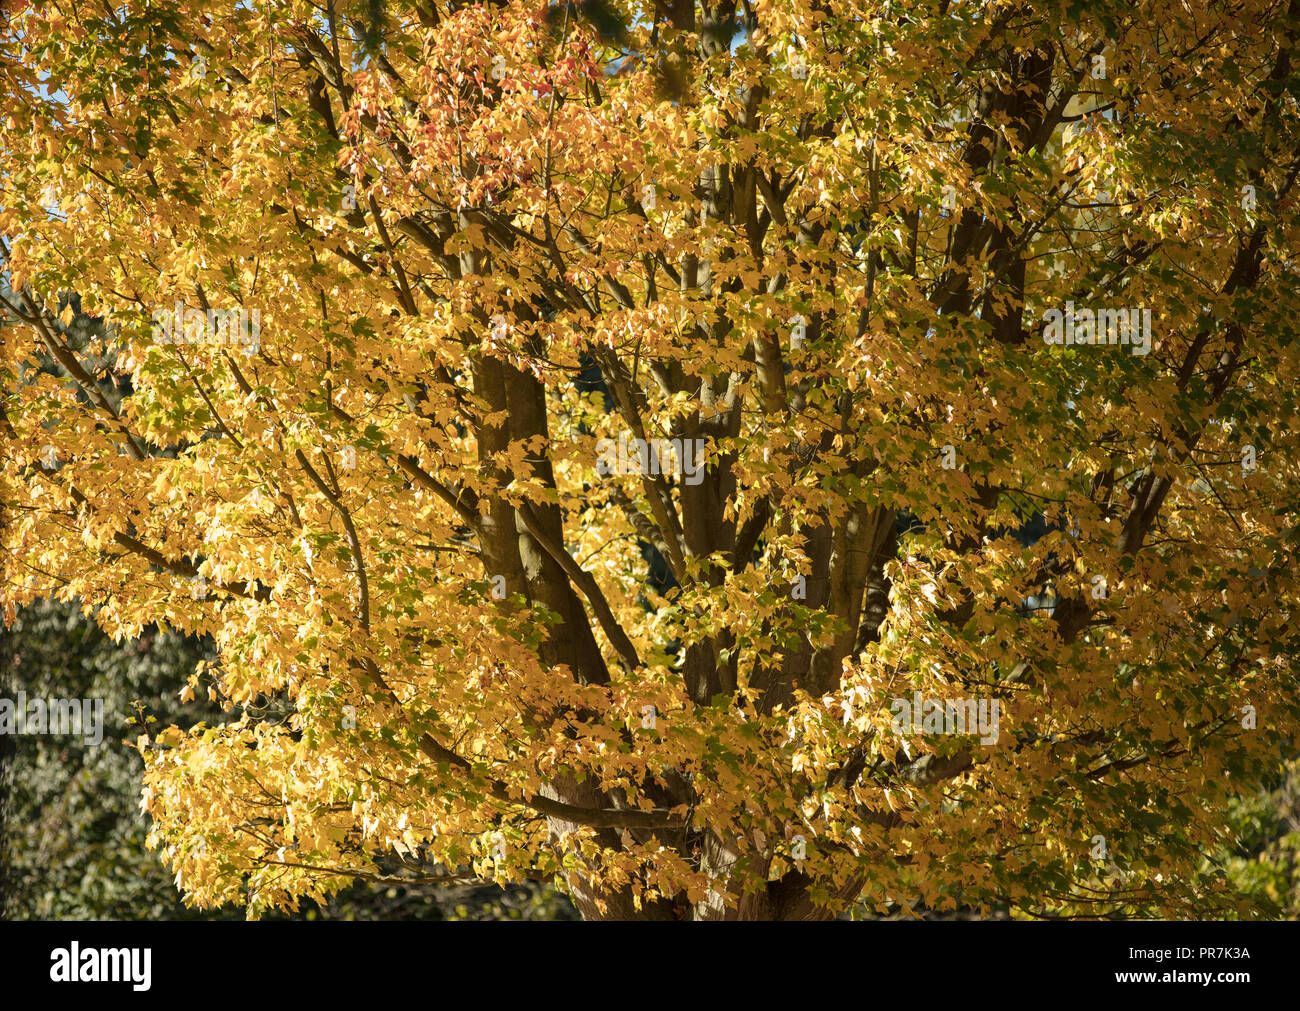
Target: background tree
(820, 242)
(76, 834)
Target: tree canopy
(621, 437)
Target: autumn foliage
(819, 241)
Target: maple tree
(822, 244)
